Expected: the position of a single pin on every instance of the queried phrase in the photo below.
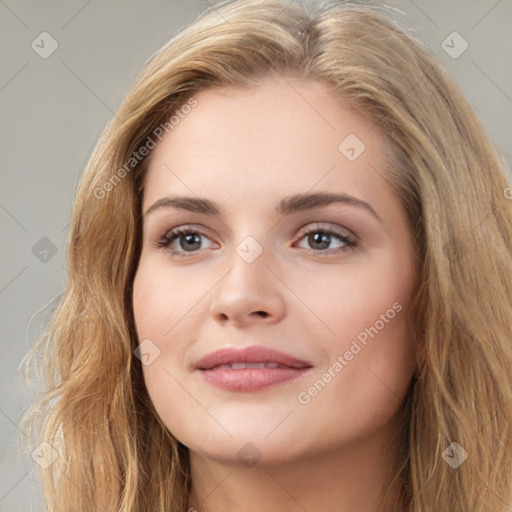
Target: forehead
(284, 135)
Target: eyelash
(168, 238)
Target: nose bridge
(249, 261)
(249, 291)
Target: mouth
(240, 366)
(250, 369)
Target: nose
(249, 294)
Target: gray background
(53, 110)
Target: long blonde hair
(114, 451)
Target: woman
(208, 355)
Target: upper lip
(253, 354)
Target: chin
(253, 442)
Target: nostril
(262, 313)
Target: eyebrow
(290, 204)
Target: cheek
(370, 358)
(159, 299)
(164, 315)
(346, 299)
(367, 325)
(168, 310)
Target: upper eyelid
(325, 226)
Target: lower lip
(251, 379)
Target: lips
(250, 355)
(250, 369)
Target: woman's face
(268, 259)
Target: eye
(187, 239)
(321, 238)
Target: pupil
(322, 239)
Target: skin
(246, 149)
